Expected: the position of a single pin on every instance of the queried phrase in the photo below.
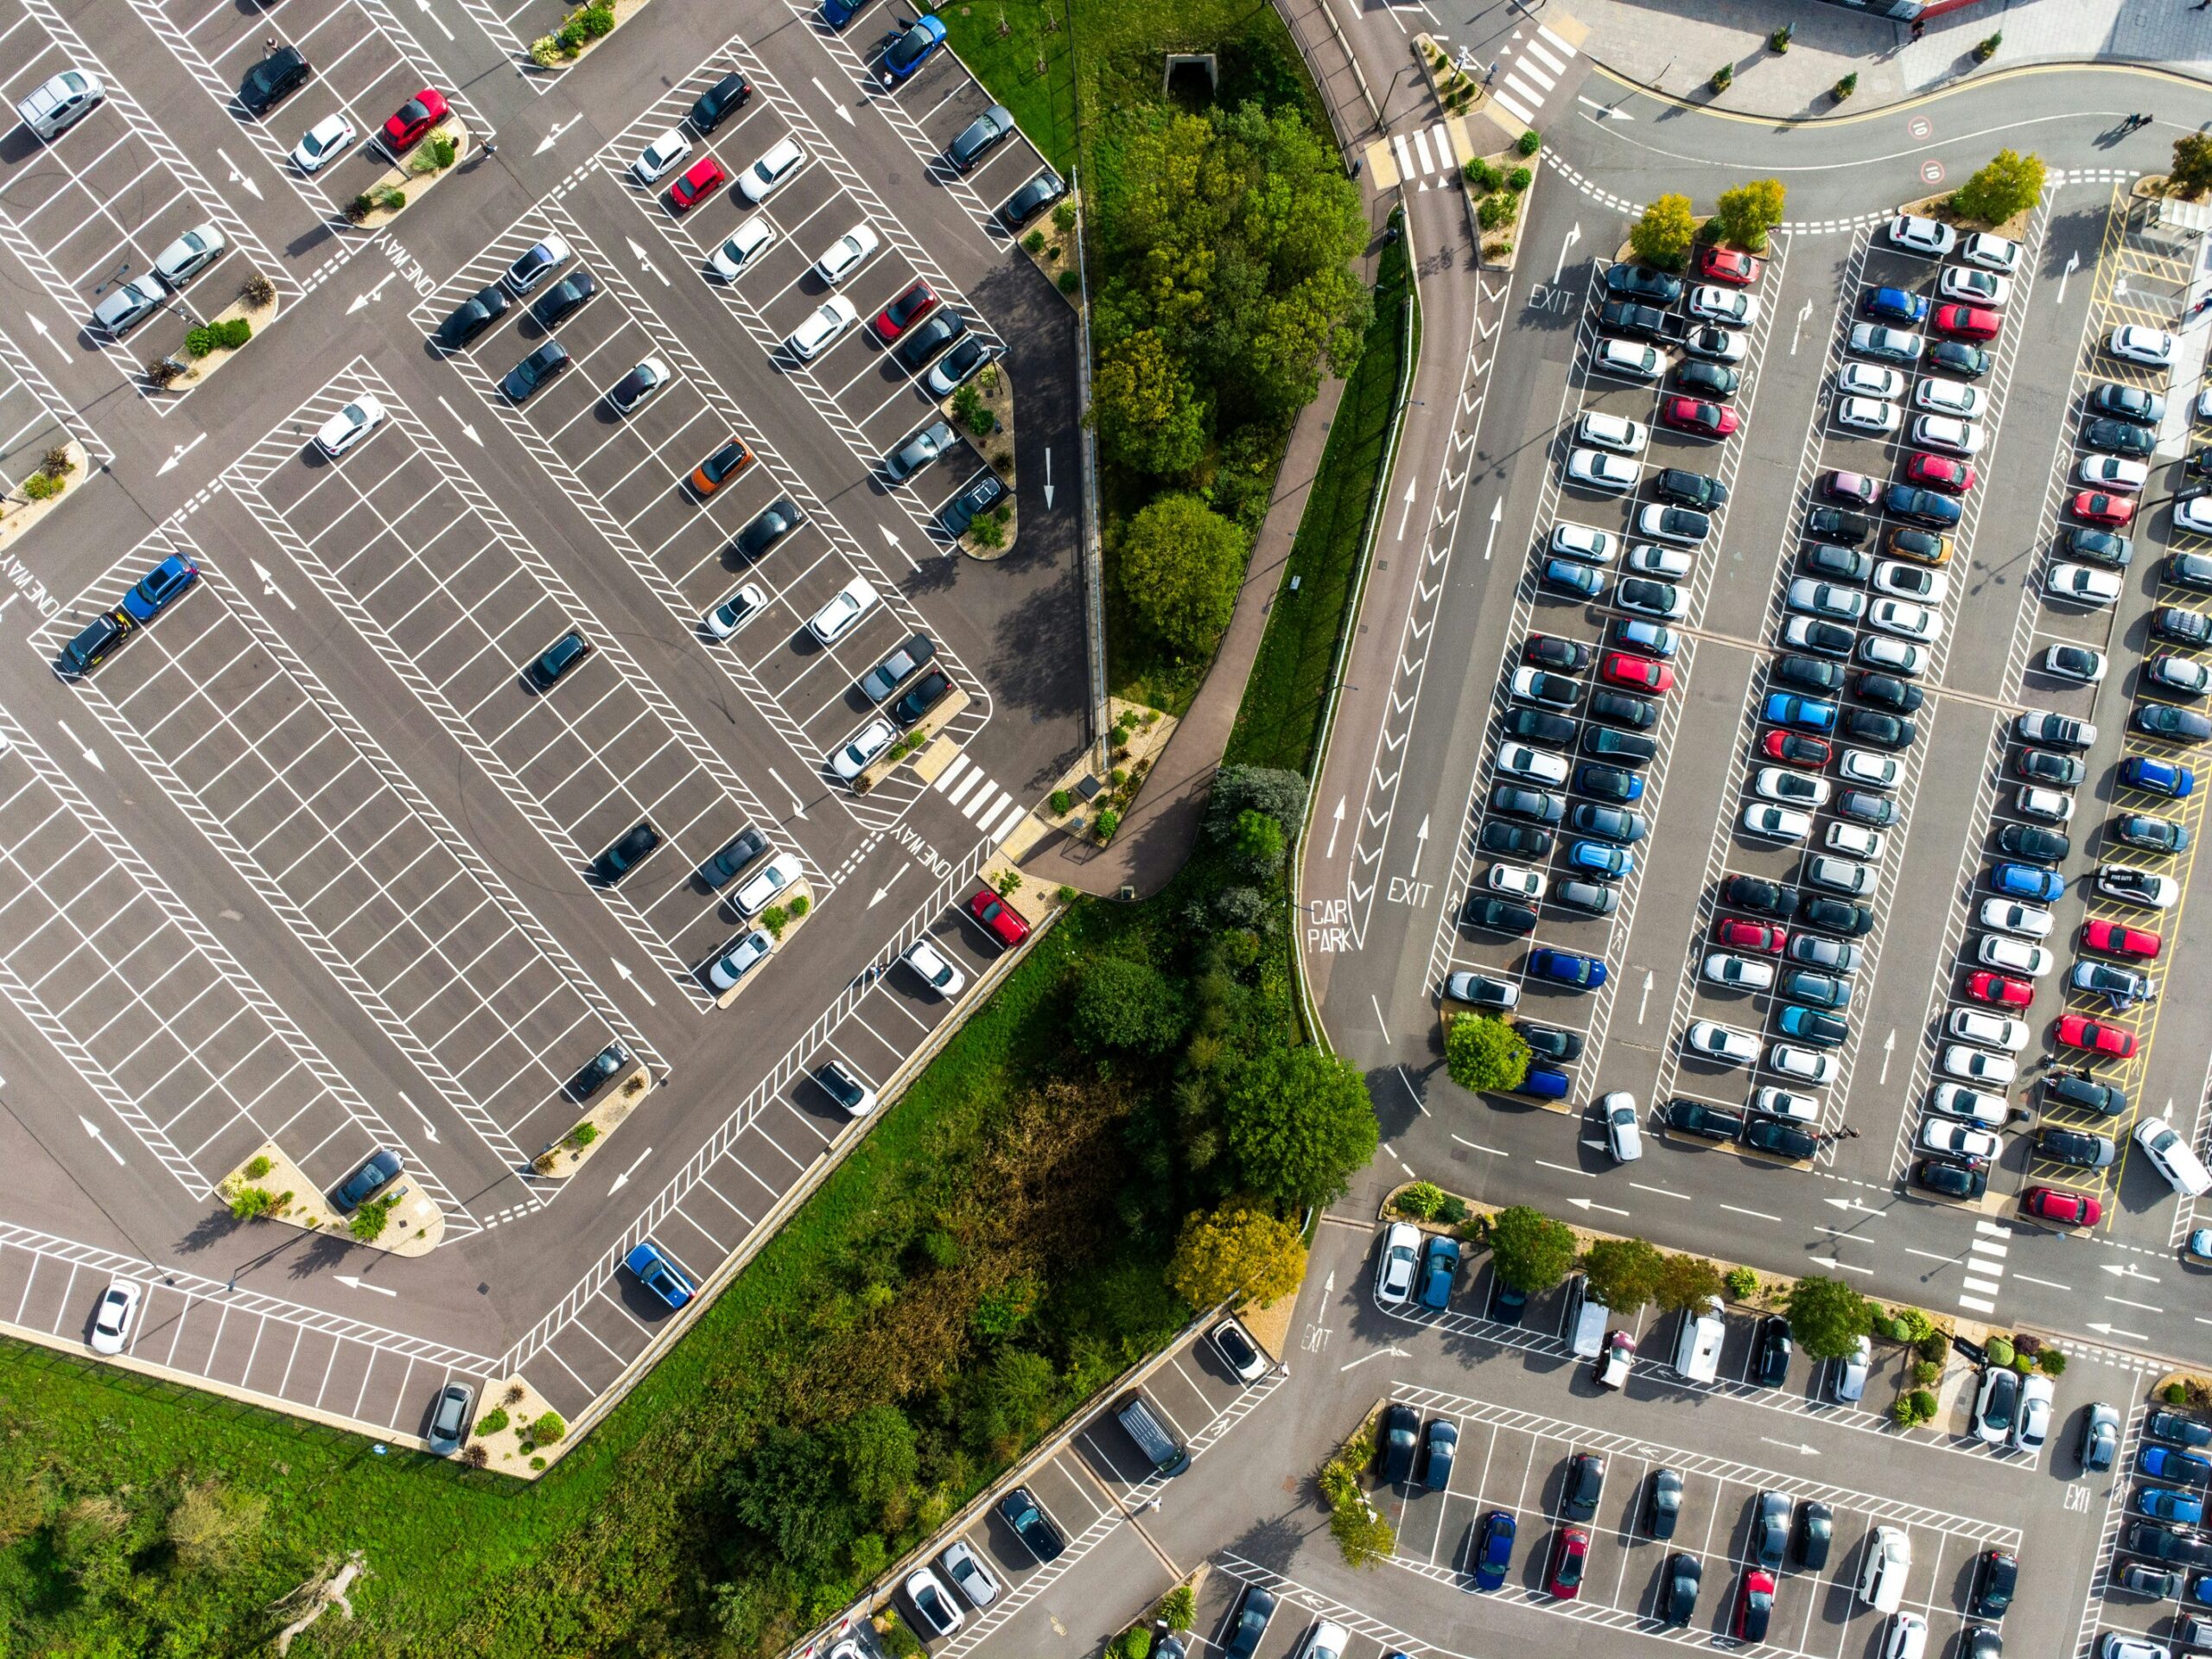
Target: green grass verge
(1279, 722)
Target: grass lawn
(1280, 719)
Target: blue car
(1595, 858)
(1494, 1550)
(2156, 776)
(1811, 1026)
(659, 1274)
(1646, 638)
(2026, 881)
(1567, 967)
(2164, 1463)
(838, 13)
(1806, 714)
(2200, 1590)
(159, 586)
(2164, 1503)
(1438, 1271)
(1895, 305)
(1566, 574)
(911, 49)
(1544, 1082)
(1614, 783)
(1922, 506)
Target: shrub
(1986, 49)
(545, 52)
(1453, 1212)
(1917, 1326)
(390, 199)
(251, 1201)
(1481, 176)
(775, 919)
(1723, 77)
(2051, 1362)
(1064, 219)
(1483, 1054)
(1063, 802)
(258, 1167)
(989, 531)
(56, 463)
(230, 333)
(1071, 281)
(2175, 1393)
(359, 209)
(1126, 1005)
(582, 1135)
(548, 1429)
(160, 372)
(42, 486)
(199, 341)
(258, 291)
(1105, 824)
(1779, 41)
(800, 905)
(1519, 180)
(1528, 143)
(1913, 1409)
(1420, 1200)
(969, 409)
(1741, 1283)
(1845, 87)
(1497, 248)
(368, 1222)
(1999, 1350)
(1034, 241)
(1496, 210)
(491, 1422)
(475, 1456)
(1178, 1608)
(443, 151)
(1925, 1372)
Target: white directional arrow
(178, 454)
(1889, 1047)
(889, 881)
(902, 552)
(2073, 265)
(1644, 1001)
(546, 143)
(644, 260)
(424, 5)
(85, 749)
(1853, 1203)
(1800, 334)
(2115, 1330)
(1792, 1445)
(94, 1129)
(2129, 1270)
(239, 178)
(48, 337)
(1048, 479)
(843, 114)
(351, 1282)
(1377, 1354)
(1421, 846)
(622, 970)
(1573, 235)
(361, 301)
(1336, 822)
(1496, 512)
(427, 1129)
(623, 1179)
(1408, 513)
(1587, 1204)
(466, 430)
(268, 583)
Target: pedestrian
(1919, 27)
(269, 46)
(489, 147)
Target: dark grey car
(728, 864)
(980, 136)
(449, 1422)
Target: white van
(1889, 1563)
(1582, 1325)
(1697, 1350)
(2184, 1170)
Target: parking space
(2134, 1591)
(432, 572)
(363, 64)
(745, 568)
(298, 798)
(33, 418)
(513, 24)
(91, 211)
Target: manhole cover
(1931, 172)
(1920, 126)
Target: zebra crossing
(1984, 1266)
(993, 810)
(1530, 72)
(1429, 151)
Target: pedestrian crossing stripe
(991, 808)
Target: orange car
(720, 468)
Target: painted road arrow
(354, 1283)
(94, 1129)
(268, 583)
(83, 748)
(177, 455)
(1496, 512)
(546, 143)
(644, 259)
(1048, 479)
(2114, 1331)
(1336, 822)
(623, 1179)
(466, 430)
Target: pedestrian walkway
(982, 800)
(1427, 157)
(1530, 66)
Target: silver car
(449, 1421)
(919, 451)
(973, 1577)
(130, 304)
(1847, 1375)
(189, 255)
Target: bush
(1723, 77)
(583, 1135)
(1496, 210)
(390, 199)
(1485, 1055)
(1779, 41)
(1453, 1212)
(989, 531)
(368, 1222)
(199, 340)
(258, 291)
(359, 209)
(2175, 1393)
(1105, 824)
(1064, 219)
(548, 1429)
(232, 334)
(1986, 49)
(800, 905)
(161, 373)
(1519, 180)
(1235, 1254)
(42, 486)
(2051, 1362)
(968, 409)
(1999, 1350)
(1662, 235)
(1420, 1200)
(258, 1167)
(1071, 281)
(491, 1422)
(1925, 1373)
(1741, 1283)
(776, 919)
(1178, 1608)
(1009, 883)
(443, 151)
(2192, 165)
(1528, 143)
(1126, 1005)
(1481, 176)
(1913, 1409)
(1034, 241)
(251, 1201)
(1063, 802)
(1845, 87)
(545, 52)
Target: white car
(1631, 358)
(934, 971)
(1686, 526)
(1594, 468)
(1518, 881)
(1622, 437)
(772, 172)
(2136, 887)
(1922, 235)
(323, 143)
(2081, 584)
(1494, 994)
(2022, 921)
(847, 254)
(1327, 1640)
(1955, 1100)
(853, 602)
(1870, 381)
(822, 326)
(759, 889)
(1990, 1030)
(1856, 840)
(2195, 514)
(2076, 662)
(1818, 598)
(1939, 397)
(853, 757)
(1952, 1139)
(940, 1614)
(1847, 1378)
(2112, 472)
(1864, 766)
(1786, 1104)
(1790, 787)
(189, 255)
(1581, 542)
(1534, 766)
(1980, 1065)
(114, 1318)
(1866, 415)
(1946, 433)
(1900, 616)
(1975, 287)
(972, 1577)
(727, 970)
(2173, 1158)
(349, 426)
(2120, 1645)
(628, 395)
(661, 157)
(1735, 973)
(1806, 1064)
(1669, 563)
(2031, 1426)
(1393, 1274)
(1730, 1045)
(60, 102)
(1776, 822)
(1729, 305)
(725, 619)
(740, 246)
(1991, 253)
(1878, 650)
(2010, 956)
(1843, 875)
(2051, 806)
(1623, 1135)
(2151, 347)
(1908, 1637)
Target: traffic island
(516, 1432)
(1090, 807)
(781, 921)
(915, 741)
(1938, 207)
(581, 34)
(983, 412)
(575, 1150)
(435, 156)
(59, 475)
(401, 1220)
(1052, 248)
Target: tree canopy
(1481, 1053)
(1529, 1250)
(1827, 1317)
(2008, 183)
(1662, 236)
(2192, 167)
(1623, 1272)
(1299, 1123)
(1744, 214)
(1236, 1252)
(1181, 564)
(1127, 1005)
(1686, 1281)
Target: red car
(2079, 1031)
(1639, 673)
(705, 176)
(1967, 321)
(1795, 749)
(991, 911)
(2134, 943)
(2101, 509)
(1689, 415)
(415, 118)
(1751, 935)
(2067, 1209)
(904, 312)
(1569, 1555)
(1985, 987)
(1754, 1605)
(1940, 473)
(1726, 265)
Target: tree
(1663, 235)
(1148, 415)
(1623, 1272)
(1686, 1282)
(1012, 1400)
(1123, 1004)
(2192, 167)
(1827, 1317)
(783, 1490)
(882, 1457)
(1744, 214)
(1259, 841)
(1363, 1536)
(1529, 1250)
(1238, 790)
(1481, 1053)
(1235, 1253)
(1299, 1123)
(1180, 565)
(2009, 183)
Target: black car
(1952, 1180)
(1540, 726)
(545, 671)
(1247, 1623)
(380, 1171)
(605, 1066)
(1760, 897)
(1663, 1508)
(473, 316)
(2084, 1093)
(1771, 1369)
(1534, 806)
(2076, 1149)
(1783, 1140)
(2034, 844)
(1549, 651)
(89, 647)
(1639, 322)
(1810, 672)
(2176, 1429)
(2131, 403)
(980, 136)
(1830, 639)
(1690, 489)
(1707, 379)
(1607, 783)
(1019, 1509)
(1620, 708)
(1816, 1532)
(2152, 835)
(1814, 989)
(631, 849)
(1888, 691)
(1514, 839)
(1401, 1440)
(1642, 283)
(1584, 1482)
(1499, 916)
(714, 104)
(1842, 563)
(925, 694)
(1678, 1594)
(770, 526)
(1958, 358)
(1918, 544)
(534, 371)
(1033, 199)
(1442, 1441)
(1834, 524)
(2182, 627)
(1708, 1122)
(275, 78)
(2048, 766)
(932, 335)
(1551, 1043)
(726, 866)
(1883, 731)
(2119, 438)
(1835, 916)
(2099, 546)
(1770, 1531)
(1623, 748)
(2189, 570)
(983, 493)
(2191, 1549)
(563, 299)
